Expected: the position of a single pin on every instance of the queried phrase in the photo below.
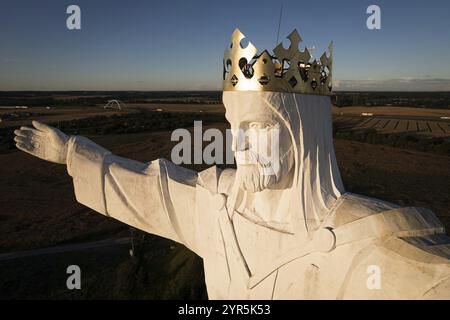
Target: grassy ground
(160, 270)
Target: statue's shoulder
(363, 217)
(408, 267)
(216, 180)
(408, 245)
(350, 207)
(168, 170)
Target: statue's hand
(42, 141)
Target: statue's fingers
(30, 148)
(41, 126)
(35, 143)
(32, 130)
(25, 147)
(33, 140)
(28, 129)
(28, 133)
(21, 133)
(21, 139)
(25, 139)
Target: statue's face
(262, 146)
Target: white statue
(295, 234)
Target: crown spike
(288, 70)
(295, 38)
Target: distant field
(392, 111)
(208, 108)
(18, 117)
(396, 120)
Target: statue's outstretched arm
(157, 197)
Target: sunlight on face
(261, 144)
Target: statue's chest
(234, 250)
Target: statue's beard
(254, 172)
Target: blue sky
(178, 45)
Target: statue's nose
(234, 144)
(239, 141)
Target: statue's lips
(250, 159)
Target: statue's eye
(259, 125)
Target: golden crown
(288, 70)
